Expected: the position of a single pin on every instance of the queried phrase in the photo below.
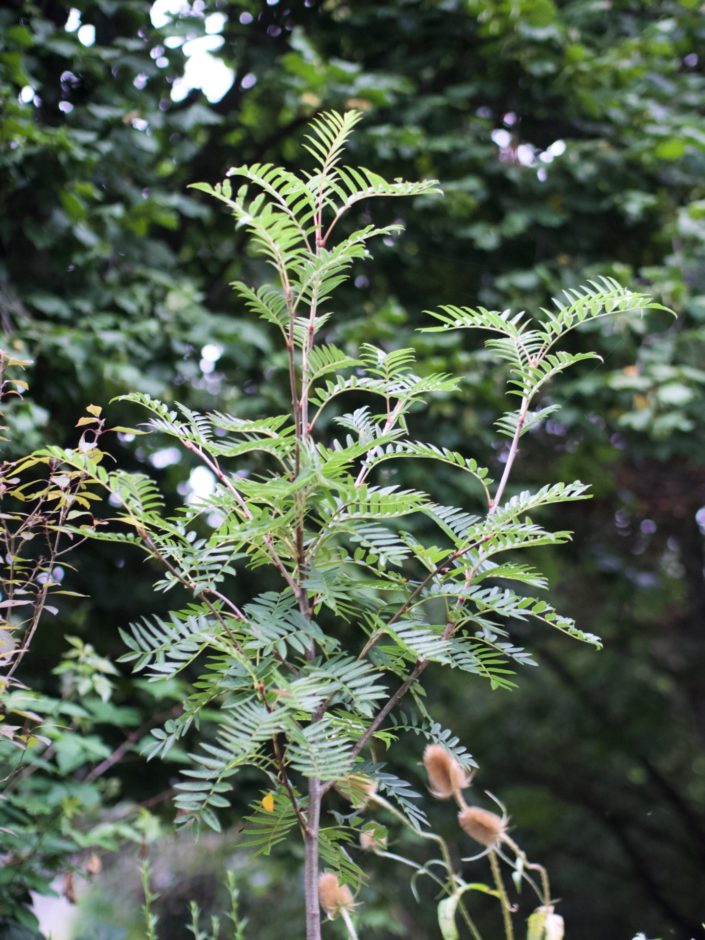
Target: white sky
(203, 70)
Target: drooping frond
(275, 624)
(165, 647)
(285, 188)
(602, 297)
(379, 545)
(353, 184)
(508, 422)
(328, 358)
(274, 233)
(422, 451)
(318, 751)
(265, 828)
(452, 317)
(246, 726)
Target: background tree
(569, 141)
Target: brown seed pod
(372, 841)
(332, 896)
(483, 826)
(358, 789)
(446, 777)
(93, 864)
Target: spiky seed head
(371, 840)
(358, 789)
(482, 825)
(328, 886)
(446, 777)
(332, 896)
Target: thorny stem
(502, 894)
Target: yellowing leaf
(81, 421)
(268, 802)
(94, 410)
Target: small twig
(284, 779)
(502, 894)
(120, 752)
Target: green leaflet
(446, 917)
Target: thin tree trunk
(313, 910)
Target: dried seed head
(93, 864)
(328, 886)
(358, 789)
(371, 840)
(332, 896)
(483, 826)
(69, 891)
(445, 775)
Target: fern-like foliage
(369, 582)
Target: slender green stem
(150, 918)
(532, 866)
(380, 801)
(407, 861)
(347, 920)
(503, 899)
(469, 922)
(431, 836)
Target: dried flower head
(93, 865)
(372, 840)
(358, 789)
(482, 825)
(446, 777)
(332, 896)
